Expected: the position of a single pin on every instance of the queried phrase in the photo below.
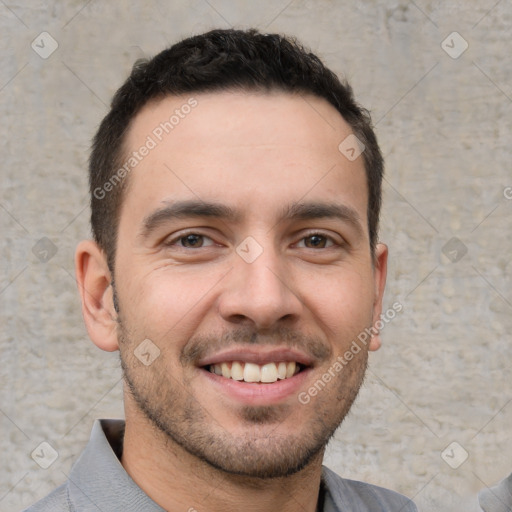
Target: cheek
(343, 303)
(168, 303)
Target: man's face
(243, 243)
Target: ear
(379, 276)
(94, 284)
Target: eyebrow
(185, 209)
(315, 210)
(202, 209)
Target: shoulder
(346, 493)
(56, 501)
(497, 499)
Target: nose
(261, 293)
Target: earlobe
(379, 275)
(94, 285)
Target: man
(235, 193)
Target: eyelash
(183, 235)
(323, 235)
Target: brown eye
(192, 241)
(315, 241)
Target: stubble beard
(262, 452)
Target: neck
(177, 480)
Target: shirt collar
(499, 498)
(99, 479)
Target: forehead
(266, 117)
(244, 149)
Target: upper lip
(257, 355)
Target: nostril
(238, 319)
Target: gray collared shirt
(99, 483)
(497, 499)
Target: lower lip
(255, 393)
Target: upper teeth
(250, 372)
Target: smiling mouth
(256, 373)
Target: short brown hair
(219, 60)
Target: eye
(192, 241)
(316, 241)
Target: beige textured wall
(444, 372)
